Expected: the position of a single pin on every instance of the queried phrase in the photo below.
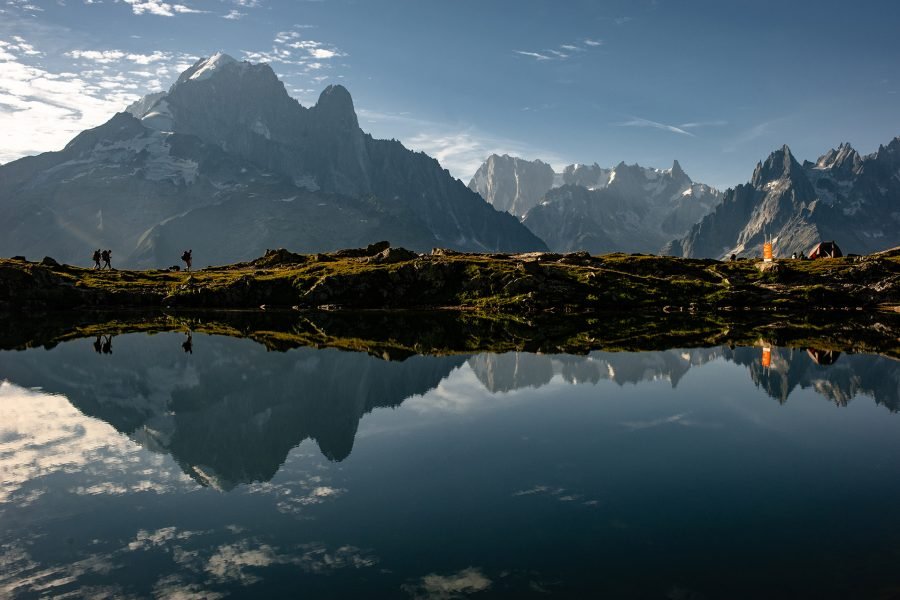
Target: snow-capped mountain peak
(208, 67)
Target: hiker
(733, 257)
(188, 345)
(793, 256)
(97, 343)
(96, 258)
(187, 258)
(106, 255)
(107, 345)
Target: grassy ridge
(521, 284)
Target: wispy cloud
(234, 15)
(639, 122)
(561, 52)
(752, 133)
(293, 48)
(695, 124)
(461, 150)
(536, 55)
(114, 56)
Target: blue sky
(717, 85)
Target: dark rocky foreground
(381, 277)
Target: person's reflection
(188, 345)
(107, 345)
(98, 345)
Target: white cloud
(159, 8)
(695, 124)
(234, 15)
(639, 122)
(536, 55)
(446, 587)
(562, 52)
(461, 151)
(323, 53)
(43, 110)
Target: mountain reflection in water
(231, 413)
(197, 466)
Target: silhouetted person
(98, 345)
(187, 258)
(188, 345)
(96, 259)
(106, 255)
(732, 257)
(107, 345)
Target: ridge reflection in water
(207, 466)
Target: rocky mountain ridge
(626, 208)
(843, 196)
(227, 163)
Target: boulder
(370, 250)
(393, 255)
(48, 261)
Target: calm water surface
(142, 466)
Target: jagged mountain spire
(842, 196)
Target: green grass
(489, 283)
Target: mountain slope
(227, 163)
(852, 199)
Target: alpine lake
(214, 455)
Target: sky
(715, 85)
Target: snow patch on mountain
(159, 117)
(211, 65)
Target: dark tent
(823, 357)
(825, 250)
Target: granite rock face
(626, 208)
(851, 199)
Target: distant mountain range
(227, 163)
(843, 196)
(626, 208)
(851, 199)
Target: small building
(825, 250)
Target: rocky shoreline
(384, 278)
